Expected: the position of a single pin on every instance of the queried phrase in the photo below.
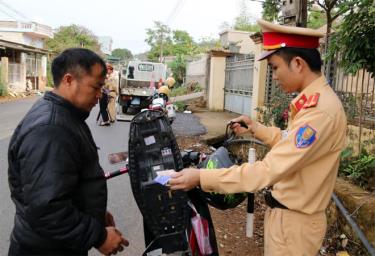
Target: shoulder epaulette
(312, 101)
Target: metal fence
(357, 93)
(239, 83)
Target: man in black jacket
(55, 179)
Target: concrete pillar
(217, 80)
(42, 73)
(23, 71)
(259, 77)
(4, 70)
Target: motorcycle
(175, 221)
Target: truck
(138, 83)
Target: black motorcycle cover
(152, 148)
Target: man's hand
(186, 179)
(238, 129)
(114, 242)
(109, 220)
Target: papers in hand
(163, 177)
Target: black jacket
(56, 181)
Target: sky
(126, 20)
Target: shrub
(180, 106)
(358, 169)
(182, 90)
(276, 111)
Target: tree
(183, 44)
(207, 43)
(73, 36)
(244, 21)
(178, 67)
(271, 9)
(124, 54)
(354, 38)
(159, 38)
(334, 9)
(165, 42)
(316, 19)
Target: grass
(179, 91)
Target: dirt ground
(230, 224)
(8, 98)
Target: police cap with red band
(278, 36)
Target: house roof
(21, 47)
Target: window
(146, 67)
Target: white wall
(196, 71)
(242, 38)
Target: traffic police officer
(302, 165)
(111, 84)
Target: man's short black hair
(76, 61)
(311, 56)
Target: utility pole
(161, 47)
(302, 14)
(294, 13)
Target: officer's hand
(109, 220)
(114, 242)
(238, 128)
(186, 179)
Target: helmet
(164, 90)
(170, 82)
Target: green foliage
(3, 87)
(178, 67)
(183, 44)
(178, 91)
(159, 39)
(271, 9)
(246, 26)
(73, 36)
(359, 168)
(243, 21)
(354, 39)
(316, 19)
(208, 43)
(180, 106)
(123, 54)
(198, 88)
(166, 42)
(274, 112)
(350, 105)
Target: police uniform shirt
(302, 165)
(111, 85)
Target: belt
(272, 202)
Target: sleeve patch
(305, 136)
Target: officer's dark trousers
(103, 104)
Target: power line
(177, 8)
(14, 11)
(9, 15)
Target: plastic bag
(201, 231)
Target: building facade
(23, 54)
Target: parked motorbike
(199, 233)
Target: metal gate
(14, 75)
(238, 88)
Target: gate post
(215, 97)
(259, 76)
(4, 70)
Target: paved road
(109, 139)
